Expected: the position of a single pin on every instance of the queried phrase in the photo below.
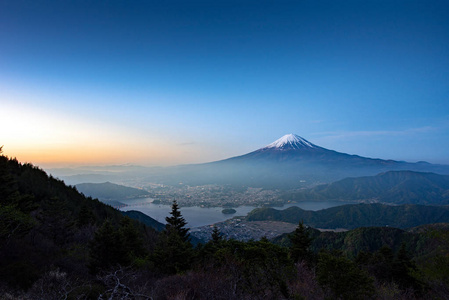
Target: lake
(199, 216)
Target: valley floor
(242, 230)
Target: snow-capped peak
(291, 141)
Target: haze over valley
(289, 172)
(289, 169)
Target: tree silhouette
(177, 223)
(403, 269)
(216, 235)
(343, 277)
(132, 239)
(300, 243)
(14, 208)
(173, 252)
(85, 216)
(107, 249)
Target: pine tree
(300, 244)
(85, 216)
(382, 264)
(15, 219)
(107, 249)
(343, 277)
(56, 220)
(133, 241)
(177, 223)
(403, 268)
(216, 235)
(173, 252)
(8, 186)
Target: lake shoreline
(197, 216)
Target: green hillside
(396, 187)
(423, 241)
(357, 215)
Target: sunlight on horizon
(57, 140)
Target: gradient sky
(169, 82)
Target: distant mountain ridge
(396, 187)
(356, 215)
(291, 162)
(110, 191)
(144, 219)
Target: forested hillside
(423, 241)
(356, 215)
(143, 218)
(56, 243)
(48, 227)
(396, 187)
(110, 191)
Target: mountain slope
(356, 215)
(144, 219)
(46, 225)
(289, 162)
(291, 141)
(424, 242)
(398, 187)
(110, 191)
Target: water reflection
(199, 216)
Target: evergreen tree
(403, 261)
(173, 252)
(15, 219)
(382, 264)
(85, 217)
(216, 235)
(56, 220)
(300, 244)
(343, 277)
(133, 241)
(8, 186)
(177, 223)
(403, 269)
(107, 249)
(13, 223)
(172, 255)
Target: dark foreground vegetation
(55, 243)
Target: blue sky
(168, 82)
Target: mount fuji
(290, 162)
(290, 141)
